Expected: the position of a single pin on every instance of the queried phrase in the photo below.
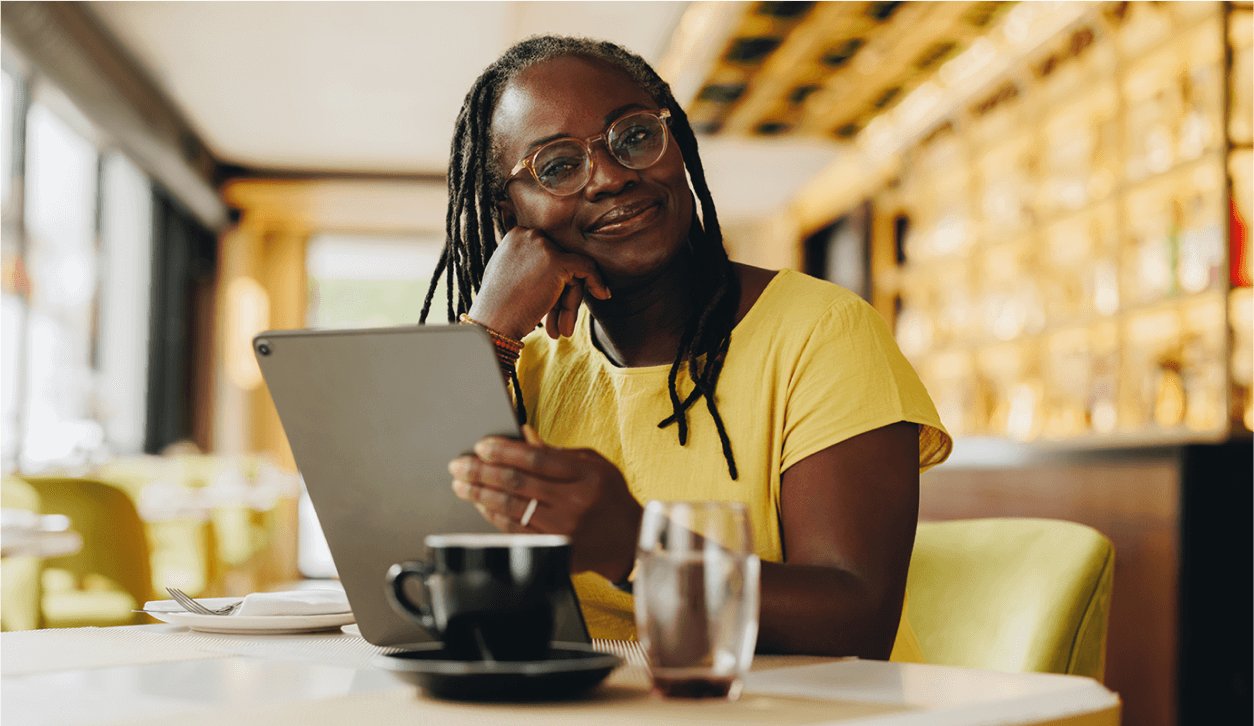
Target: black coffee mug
(486, 596)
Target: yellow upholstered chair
(180, 537)
(19, 576)
(111, 575)
(181, 554)
(1012, 595)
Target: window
(61, 266)
(77, 269)
(12, 302)
(126, 269)
(371, 281)
(6, 139)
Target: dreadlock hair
(473, 221)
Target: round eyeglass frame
(528, 162)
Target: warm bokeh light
(247, 313)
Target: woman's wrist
(507, 348)
(494, 318)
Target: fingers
(583, 269)
(509, 519)
(546, 463)
(508, 512)
(527, 280)
(568, 308)
(551, 319)
(561, 318)
(495, 505)
(506, 476)
(476, 481)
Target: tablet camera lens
(263, 348)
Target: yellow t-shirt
(810, 365)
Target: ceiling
(346, 86)
(826, 69)
(778, 91)
(374, 87)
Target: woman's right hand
(529, 278)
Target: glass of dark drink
(696, 594)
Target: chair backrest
(19, 576)
(1012, 594)
(114, 541)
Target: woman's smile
(626, 219)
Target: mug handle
(397, 574)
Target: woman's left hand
(578, 493)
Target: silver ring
(531, 509)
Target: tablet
(373, 417)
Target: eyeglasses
(563, 167)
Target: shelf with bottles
(1240, 168)
(1175, 238)
(1067, 268)
(1241, 80)
(1174, 101)
(1241, 360)
(1075, 129)
(1173, 374)
(1157, 373)
(1241, 297)
(1139, 28)
(1014, 203)
(1042, 143)
(1076, 271)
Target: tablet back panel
(373, 417)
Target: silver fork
(192, 606)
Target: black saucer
(570, 670)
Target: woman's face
(631, 222)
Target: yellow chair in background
(180, 536)
(1012, 594)
(19, 576)
(111, 575)
(181, 554)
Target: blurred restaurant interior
(1048, 201)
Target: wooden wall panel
(282, 273)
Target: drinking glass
(696, 597)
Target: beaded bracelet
(512, 343)
(507, 349)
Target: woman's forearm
(820, 610)
(848, 516)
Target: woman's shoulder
(798, 297)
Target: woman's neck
(642, 324)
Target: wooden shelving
(1066, 276)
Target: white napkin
(294, 602)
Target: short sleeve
(850, 377)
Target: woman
(576, 153)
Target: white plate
(168, 611)
(351, 629)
